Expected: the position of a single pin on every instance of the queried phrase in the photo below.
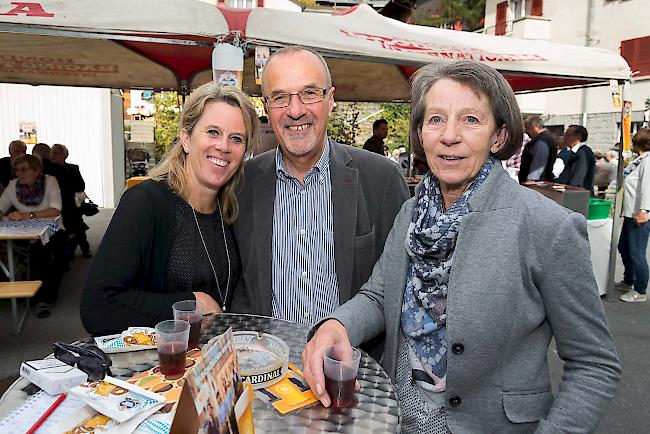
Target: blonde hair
(172, 167)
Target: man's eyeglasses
(89, 359)
(306, 96)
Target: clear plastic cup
(192, 312)
(172, 336)
(341, 364)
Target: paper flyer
(216, 385)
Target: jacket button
(458, 348)
(455, 401)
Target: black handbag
(88, 208)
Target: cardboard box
(52, 375)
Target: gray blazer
(521, 275)
(367, 192)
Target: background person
(580, 167)
(35, 195)
(69, 213)
(633, 242)
(16, 149)
(77, 185)
(476, 278)
(170, 238)
(539, 153)
(606, 169)
(379, 133)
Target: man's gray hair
(295, 49)
(484, 81)
(534, 121)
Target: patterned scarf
(31, 195)
(430, 243)
(631, 167)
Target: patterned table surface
(377, 410)
(41, 229)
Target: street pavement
(628, 323)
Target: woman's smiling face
(216, 146)
(458, 133)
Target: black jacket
(6, 171)
(581, 169)
(126, 284)
(545, 140)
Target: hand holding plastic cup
(172, 336)
(192, 312)
(340, 365)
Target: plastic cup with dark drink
(192, 312)
(172, 336)
(341, 364)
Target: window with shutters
(502, 12)
(637, 54)
(525, 8)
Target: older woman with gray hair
(477, 276)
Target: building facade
(616, 25)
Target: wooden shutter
(536, 8)
(637, 54)
(502, 11)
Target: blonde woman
(170, 238)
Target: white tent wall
(84, 119)
(567, 23)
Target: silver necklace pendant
(223, 309)
(214, 272)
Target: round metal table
(377, 410)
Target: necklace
(225, 243)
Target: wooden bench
(21, 289)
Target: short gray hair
(295, 49)
(484, 81)
(534, 121)
(58, 148)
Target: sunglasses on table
(88, 358)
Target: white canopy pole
(618, 198)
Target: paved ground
(628, 322)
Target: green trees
(397, 115)
(470, 12)
(343, 125)
(167, 117)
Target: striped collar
(321, 166)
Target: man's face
(16, 150)
(381, 132)
(531, 130)
(571, 137)
(58, 158)
(300, 128)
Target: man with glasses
(314, 214)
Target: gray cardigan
(521, 275)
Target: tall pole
(618, 199)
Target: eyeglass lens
(306, 96)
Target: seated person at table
(477, 276)
(36, 195)
(170, 238)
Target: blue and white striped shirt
(305, 287)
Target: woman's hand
(209, 304)
(330, 333)
(17, 215)
(641, 217)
